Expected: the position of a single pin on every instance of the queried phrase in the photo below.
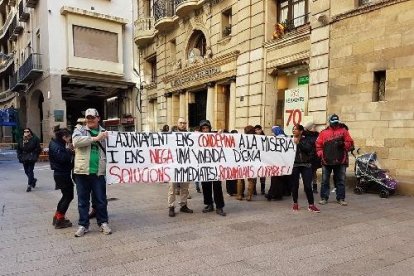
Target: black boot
(268, 197)
(34, 183)
(171, 212)
(185, 209)
(29, 188)
(220, 212)
(208, 208)
(63, 223)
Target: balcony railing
(144, 30)
(15, 29)
(293, 24)
(31, 68)
(5, 61)
(31, 3)
(14, 83)
(24, 14)
(184, 7)
(163, 9)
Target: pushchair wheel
(384, 194)
(358, 190)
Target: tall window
(226, 22)
(293, 13)
(379, 86)
(152, 69)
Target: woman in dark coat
(61, 162)
(28, 151)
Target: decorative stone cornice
(302, 34)
(365, 9)
(301, 56)
(72, 10)
(208, 63)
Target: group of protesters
(81, 158)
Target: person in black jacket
(210, 187)
(312, 134)
(302, 166)
(28, 151)
(61, 162)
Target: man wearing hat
(210, 187)
(89, 170)
(332, 147)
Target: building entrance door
(197, 110)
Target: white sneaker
(333, 190)
(105, 229)
(82, 230)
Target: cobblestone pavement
(371, 236)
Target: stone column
(232, 103)
(169, 109)
(183, 104)
(211, 103)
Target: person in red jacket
(332, 147)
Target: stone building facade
(371, 79)
(349, 57)
(194, 56)
(66, 56)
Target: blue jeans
(28, 170)
(85, 184)
(339, 181)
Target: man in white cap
(89, 170)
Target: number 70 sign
(296, 101)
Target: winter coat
(333, 144)
(29, 152)
(61, 158)
(313, 136)
(82, 141)
(303, 152)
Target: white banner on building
(194, 156)
(295, 107)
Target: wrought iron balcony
(164, 12)
(15, 29)
(31, 3)
(144, 31)
(24, 14)
(14, 83)
(31, 69)
(184, 7)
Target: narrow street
(371, 236)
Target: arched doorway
(35, 112)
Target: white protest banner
(195, 156)
(295, 107)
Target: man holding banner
(212, 186)
(89, 170)
(182, 187)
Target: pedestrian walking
(89, 170)
(61, 155)
(302, 167)
(28, 151)
(181, 188)
(210, 187)
(332, 147)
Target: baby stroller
(370, 176)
